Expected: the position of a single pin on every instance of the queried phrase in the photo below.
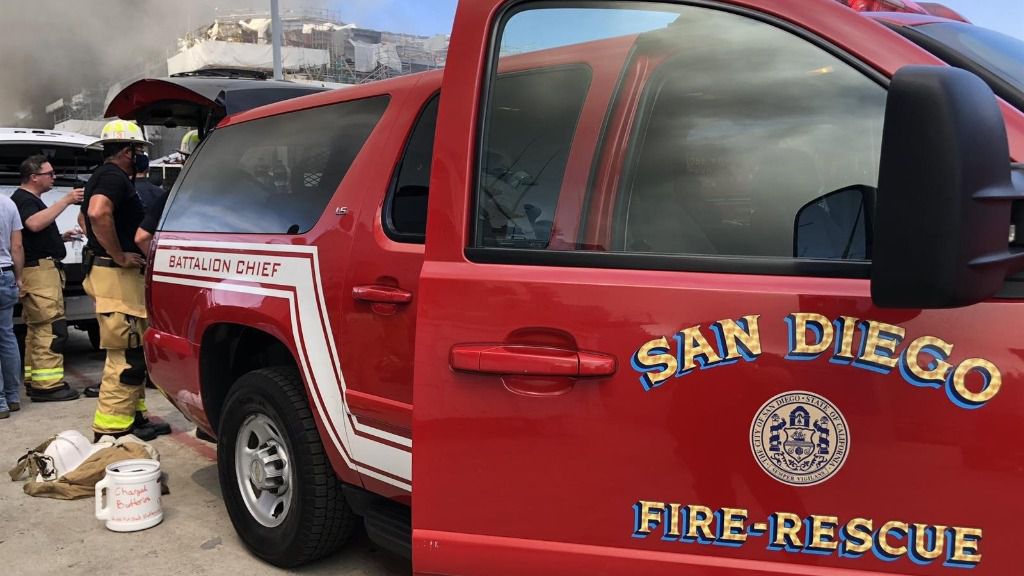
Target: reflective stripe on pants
(42, 305)
(119, 298)
(115, 408)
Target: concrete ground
(44, 536)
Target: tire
(305, 516)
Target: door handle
(516, 360)
(381, 294)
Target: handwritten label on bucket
(128, 497)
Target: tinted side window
(713, 134)
(274, 175)
(531, 119)
(742, 126)
(405, 210)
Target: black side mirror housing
(942, 226)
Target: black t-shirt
(148, 192)
(38, 245)
(153, 213)
(110, 181)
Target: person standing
(114, 278)
(144, 235)
(42, 292)
(148, 191)
(12, 258)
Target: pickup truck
(697, 287)
(73, 161)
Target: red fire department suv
(697, 287)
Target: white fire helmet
(121, 131)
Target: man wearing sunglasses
(42, 292)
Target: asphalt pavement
(45, 536)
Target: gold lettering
(673, 521)
(698, 519)
(694, 345)
(883, 538)
(731, 332)
(965, 545)
(846, 344)
(994, 381)
(942, 368)
(857, 536)
(646, 359)
(731, 526)
(800, 322)
(875, 342)
(921, 550)
(787, 527)
(823, 527)
(648, 513)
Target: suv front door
(651, 330)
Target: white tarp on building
(325, 27)
(258, 25)
(368, 56)
(218, 54)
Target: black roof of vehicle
(198, 101)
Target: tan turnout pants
(42, 308)
(121, 312)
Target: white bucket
(132, 490)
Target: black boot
(140, 432)
(92, 391)
(59, 394)
(159, 428)
(144, 433)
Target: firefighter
(42, 293)
(188, 143)
(114, 267)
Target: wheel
(279, 488)
(93, 330)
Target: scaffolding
(354, 55)
(307, 34)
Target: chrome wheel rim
(263, 470)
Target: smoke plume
(55, 48)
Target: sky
(1006, 16)
(429, 17)
(422, 17)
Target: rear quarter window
(273, 175)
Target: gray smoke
(52, 49)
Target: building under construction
(316, 46)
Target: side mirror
(836, 226)
(942, 224)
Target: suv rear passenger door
(650, 327)
(381, 289)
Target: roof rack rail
(222, 73)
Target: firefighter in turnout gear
(42, 293)
(114, 266)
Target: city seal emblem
(799, 438)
